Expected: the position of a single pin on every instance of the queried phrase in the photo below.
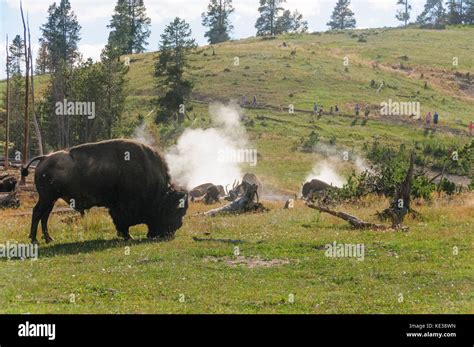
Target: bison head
(173, 208)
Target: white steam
(195, 158)
(325, 171)
(329, 169)
(142, 135)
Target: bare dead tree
(355, 222)
(35, 120)
(7, 122)
(27, 88)
(248, 202)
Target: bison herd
(132, 181)
(210, 193)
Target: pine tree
(114, 84)
(16, 91)
(130, 27)
(42, 60)
(61, 34)
(342, 16)
(269, 13)
(217, 20)
(16, 56)
(454, 15)
(291, 23)
(172, 87)
(403, 15)
(433, 14)
(468, 13)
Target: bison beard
(127, 177)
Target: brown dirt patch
(250, 262)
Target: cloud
(91, 50)
(86, 10)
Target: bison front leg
(156, 232)
(120, 225)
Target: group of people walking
(429, 119)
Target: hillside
(304, 69)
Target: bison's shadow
(90, 246)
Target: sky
(94, 16)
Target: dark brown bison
(7, 184)
(314, 186)
(207, 192)
(238, 189)
(127, 177)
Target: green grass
(87, 262)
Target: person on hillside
(336, 108)
(331, 110)
(254, 103)
(357, 110)
(428, 120)
(315, 108)
(435, 119)
(243, 101)
(471, 127)
(367, 111)
(320, 111)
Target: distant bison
(7, 184)
(127, 177)
(208, 192)
(314, 186)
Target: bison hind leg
(44, 222)
(41, 211)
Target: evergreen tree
(16, 92)
(42, 60)
(433, 14)
(291, 23)
(403, 15)
(468, 12)
(269, 13)
(130, 27)
(114, 84)
(16, 56)
(342, 17)
(454, 15)
(217, 20)
(61, 34)
(172, 86)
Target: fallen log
(7, 183)
(9, 200)
(354, 221)
(248, 202)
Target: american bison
(7, 184)
(314, 186)
(208, 192)
(127, 177)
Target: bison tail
(24, 169)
